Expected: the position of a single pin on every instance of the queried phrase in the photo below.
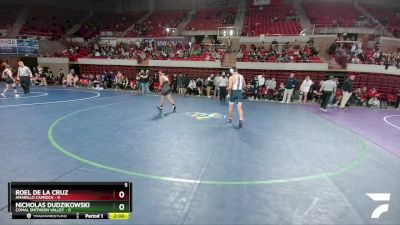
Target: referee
(327, 88)
(24, 76)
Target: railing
(355, 27)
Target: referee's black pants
(25, 83)
(326, 97)
(222, 94)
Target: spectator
(372, 93)
(61, 76)
(84, 80)
(180, 83)
(192, 86)
(174, 83)
(69, 80)
(347, 91)
(108, 79)
(133, 84)
(305, 88)
(398, 100)
(290, 84)
(281, 90)
(271, 85)
(216, 85)
(199, 86)
(239, 56)
(42, 75)
(144, 82)
(252, 87)
(374, 102)
(357, 96)
(120, 82)
(209, 83)
(186, 83)
(260, 83)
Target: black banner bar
(86, 216)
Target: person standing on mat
(24, 76)
(8, 79)
(235, 88)
(347, 91)
(305, 88)
(222, 84)
(290, 84)
(165, 91)
(327, 88)
(216, 85)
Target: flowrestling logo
(379, 197)
(205, 116)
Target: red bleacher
(324, 13)
(211, 19)
(158, 21)
(127, 71)
(384, 84)
(114, 22)
(259, 20)
(387, 15)
(50, 21)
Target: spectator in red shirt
(373, 93)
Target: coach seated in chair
(191, 87)
(121, 82)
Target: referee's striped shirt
(24, 71)
(329, 85)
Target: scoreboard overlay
(70, 200)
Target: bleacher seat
(270, 20)
(211, 19)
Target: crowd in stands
(258, 87)
(284, 53)
(211, 19)
(356, 54)
(261, 88)
(146, 49)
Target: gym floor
(289, 164)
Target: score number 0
(121, 195)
